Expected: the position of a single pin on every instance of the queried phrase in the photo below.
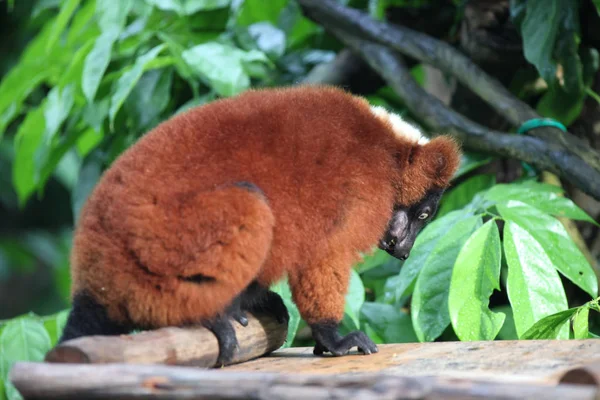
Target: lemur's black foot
(272, 304)
(236, 312)
(228, 344)
(329, 340)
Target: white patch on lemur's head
(401, 128)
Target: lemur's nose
(404, 256)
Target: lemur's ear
(431, 165)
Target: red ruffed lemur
(194, 222)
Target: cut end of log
(67, 354)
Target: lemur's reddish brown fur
(331, 173)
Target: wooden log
(195, 346)
(78, 381)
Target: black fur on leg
(87, 318)
(223, 330)
(260, 300)
(329, 340)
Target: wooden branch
(563, 151)
(77, 381)
(177, 346)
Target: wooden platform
(543, 361)
(505, 370)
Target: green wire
(533, 124)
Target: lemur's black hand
(329, 340)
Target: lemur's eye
(423, 216)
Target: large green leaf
(462, 195)
(390, 324)
(422, 252)
(67, 9)
(24, 339)
(475, 275)
(430, 314)
(534, 287)
(283, 289)
(544, 197)
(556, 244)
(539, 30)
(129, 79)
(354, 298)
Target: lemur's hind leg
(260, 300)
(88, 317)
(321, 304)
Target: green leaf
(2, 390)
(129, 79)
(283, 289)
(389, 323)
(222, 66)
(96, 63)
(176, 50)
(581, 323)
(373, 260)
(470, 161)
(429, 308)
(556, 244)
(149, 97)
(555, 326)
(27, 139)
(16, 86)
(58, 105)
(422, 252)
(111, 18)
(475, 275)
(67, 9)
(268, 38)
(539, 30)
(24, 339)
(252, 11)
(464, 193)
(544, 197)
(534, 288)
(55, 324)
(354, 298)
(88, 141)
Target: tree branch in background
(558, 152)
(546, 156)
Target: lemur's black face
(407, 222)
